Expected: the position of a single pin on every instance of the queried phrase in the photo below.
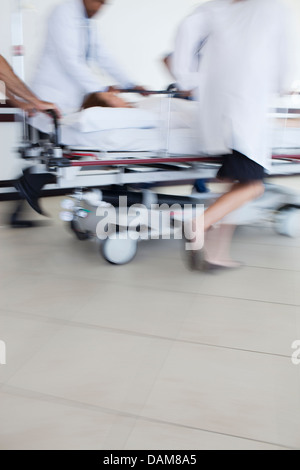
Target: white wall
(138, 32)
(5, 11)
(143, 33)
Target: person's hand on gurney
(33, 106)
(39, 106)
(45, 107)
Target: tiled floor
(148, 355)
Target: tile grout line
(90, 326)
(164, 289)
(74, 277)
(170, 291)
(32, 395)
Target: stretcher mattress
(155, 125)
(179, 141)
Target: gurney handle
(151, 92)
(54, 116)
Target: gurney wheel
(287, 221)
(79, 234)
(119, 251)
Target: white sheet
(145, 128)
(102, 119)
(180, 141)
(177, 141)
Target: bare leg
(236, 197)
(239, 194)
(217, 245)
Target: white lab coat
(244, 61)
(64, 75)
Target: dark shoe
(14, 219)
(30, 185)
(194, 259)
(22, 224)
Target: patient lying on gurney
(153, 124)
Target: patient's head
(93, 6)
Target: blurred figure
(184, 94)
(244, 62)
(72, 44)
(19, 94)
(193, 66)
(200, 184)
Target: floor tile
(146, 355)
(248, 325)
(163, 436)
(144, 310)
(253, 396)
(23, 337)
(45, 294)
(111, 370)
(37, 424)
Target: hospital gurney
(130, 175)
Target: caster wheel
(78, 232)
(287, 221)
(119, 251)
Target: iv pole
(17, 39)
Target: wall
(138, 32)
(5, 11)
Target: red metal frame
(149, 161)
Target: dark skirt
(238, 167)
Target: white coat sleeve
(286, 66)
(109, 64)
(191, 33)
(66, 39)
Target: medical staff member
(19, 94)
(245, 61)
(73, 43)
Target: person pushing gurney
(18, 94)
(72, 45)
(244, 62)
